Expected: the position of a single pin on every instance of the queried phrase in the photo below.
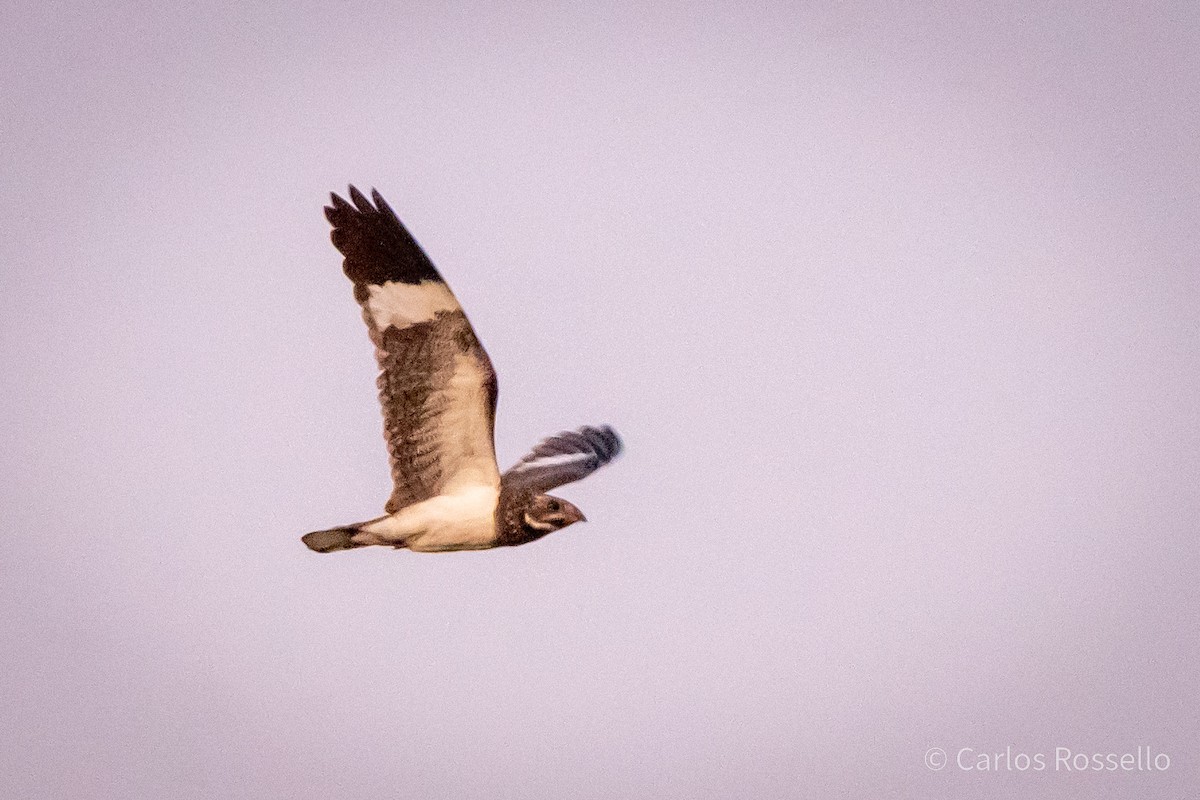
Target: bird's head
(547, 513)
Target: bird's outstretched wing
(436, 383)
(565, 458)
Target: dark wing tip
(362, 203)
(603, 442)
(376, 245)
(606, 442)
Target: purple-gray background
(894, 304)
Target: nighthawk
(438, 392)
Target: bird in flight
(438, 392)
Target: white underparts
(404, 304)
(463, 520)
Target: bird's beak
(574, 514)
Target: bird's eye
(553, 505)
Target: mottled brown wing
(436, 383)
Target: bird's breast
(464, 520)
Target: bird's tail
(332, 540)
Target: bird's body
(438, 391)
(465, 520)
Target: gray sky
(895, 305)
